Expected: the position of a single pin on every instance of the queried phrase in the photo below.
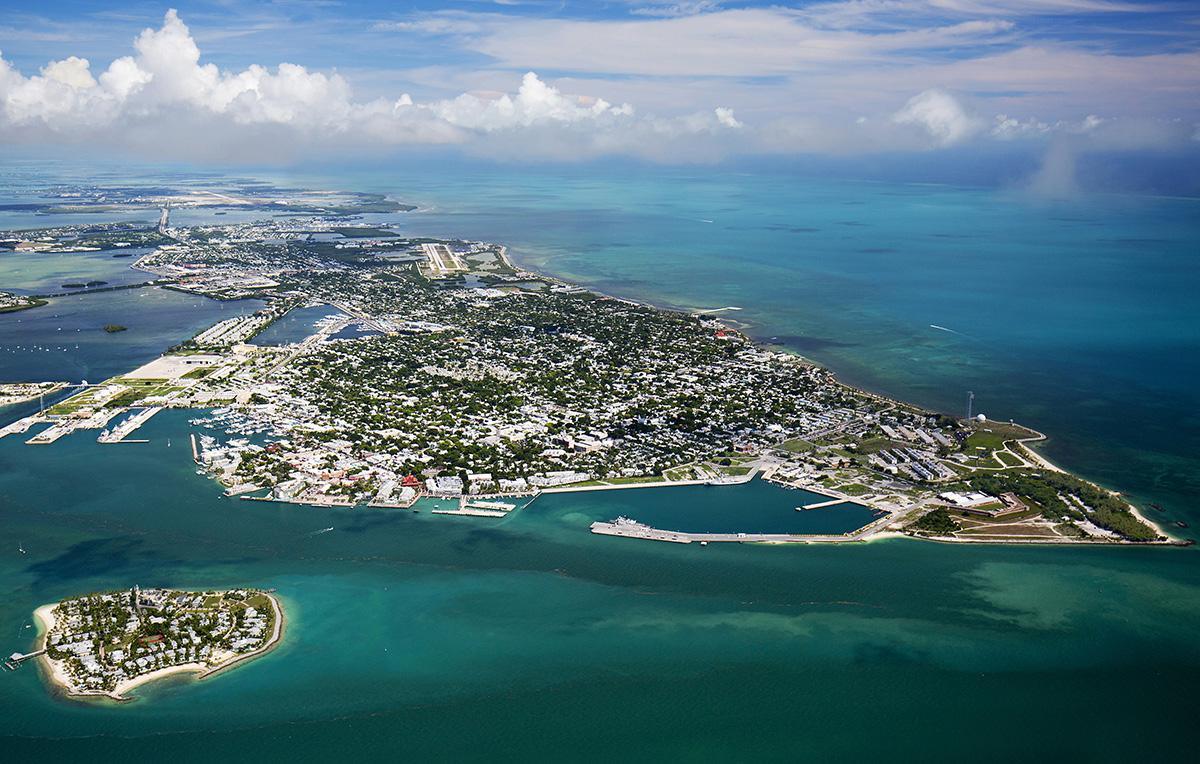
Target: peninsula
(442, 369)
(106, 643)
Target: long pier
(682, 537)
(16, 659)
(129, 425)
(639, 531)
(61, 427)
(51, 434)
(20, 426)
(469, 512)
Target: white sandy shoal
(126, 685)
(1138, 514)
(45, 616)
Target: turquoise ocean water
(528, 639)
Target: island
(442, 369)
(114, 328)
(10, 302)
(106, 643)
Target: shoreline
(745, 328)
(44, 616)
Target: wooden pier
(16, 659)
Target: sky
(688, 81)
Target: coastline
(44, 616)
(1023, 445)
(271, 644)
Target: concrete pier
(21, 425)
(129, 425)
(469, 512)
(51, 434)
(639, 531)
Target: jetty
(119, 432)
(21, 425)
(478, 508)
(627, 528)
(51, 434)
(15, 660)
(469, 512)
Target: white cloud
(73, 72)
(163, 96)
(535, 102)
(794, 87)
(677, 9)
(941, 115)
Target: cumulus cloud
(535, 102)
(164, 97)
(941, 115)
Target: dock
(51, 434)
(16, 659)
(498, 506)
(469, 512)
(629, 529)
(478, 508)
(21, 425)
(129, 425)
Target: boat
(1155, 506)
(1181, 523)
(727, 480)
(625, 522)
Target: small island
(114, 328)
(106, 643)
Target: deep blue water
(433, 638)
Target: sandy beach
(45, 618)
(276, 637)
